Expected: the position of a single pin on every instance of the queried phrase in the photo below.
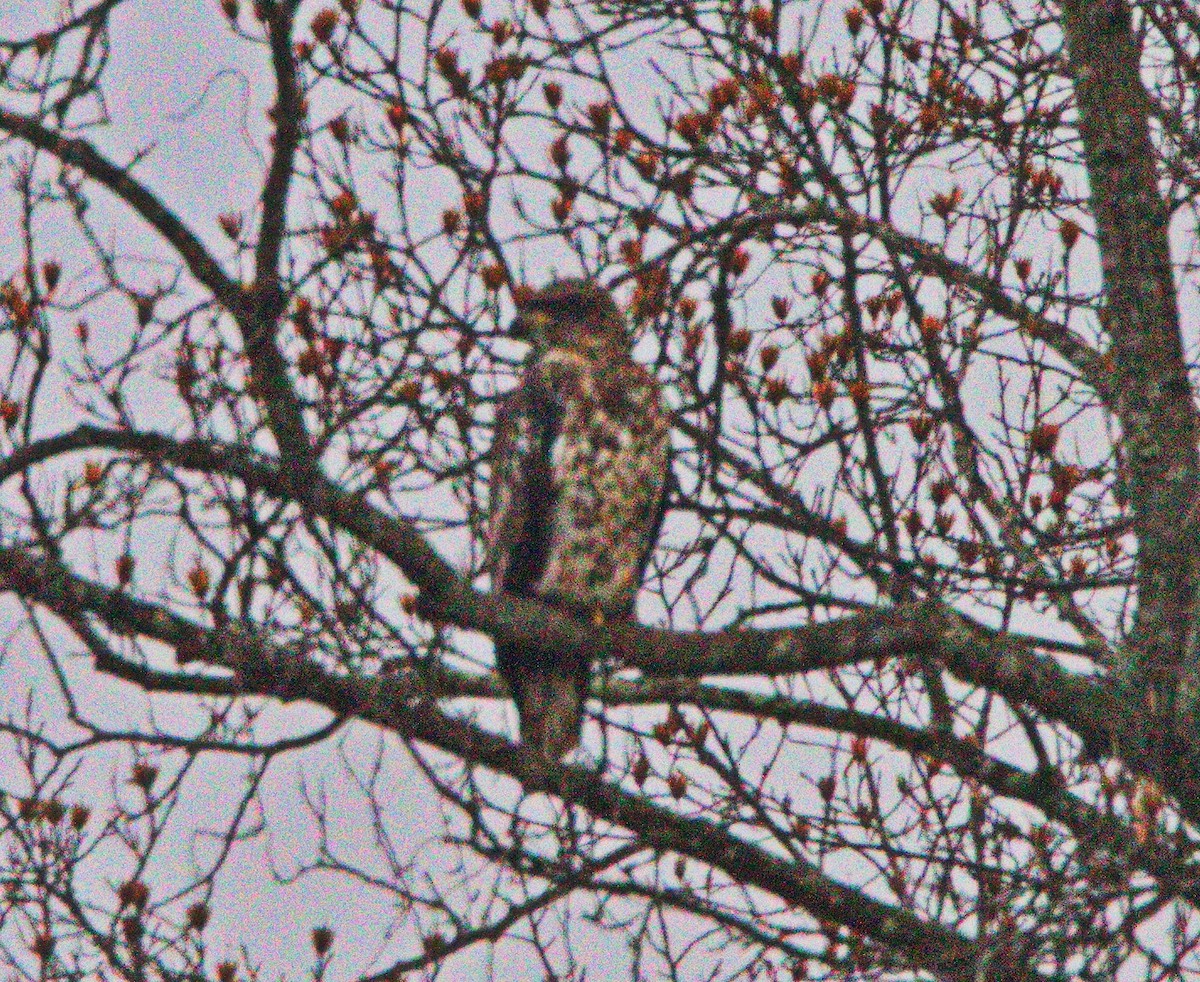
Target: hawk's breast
(609, 467)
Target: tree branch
(266, 669)
(1154, 399)
(79, 153)
(1007, 666)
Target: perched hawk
(579, 472)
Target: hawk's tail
(550, 708)
(549, 700)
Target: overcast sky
(181, 84)
(184, 90)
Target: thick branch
(72, 598)
(1002, 664)
(265, 669)
(1175, 872)
(259, 320)
(79, 153)
(1154, 400)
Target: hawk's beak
(524, 325)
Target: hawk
(580, 466)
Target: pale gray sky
(181, 84)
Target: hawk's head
(573, 313)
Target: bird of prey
(580, 466)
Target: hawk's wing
(548, 690)
(522, 492)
